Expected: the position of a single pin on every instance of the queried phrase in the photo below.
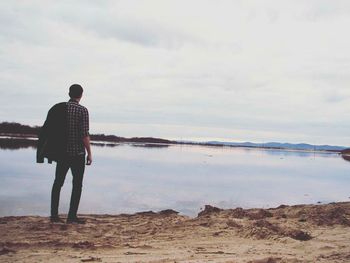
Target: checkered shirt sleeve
(85, 122)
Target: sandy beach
(303, 233)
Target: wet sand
(303, 233)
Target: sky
(250, 70)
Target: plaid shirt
(78, 127)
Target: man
(64, 138)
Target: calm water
(127, 179)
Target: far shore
(14, 130)
(17, 140)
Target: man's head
(75, 91)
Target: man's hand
(86, 141)
(88, 159)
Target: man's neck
(75, 100)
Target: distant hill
(19, 130)
(113, 138)
(277, 145)
(15, 129)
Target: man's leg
(61, 171)
(77, 168)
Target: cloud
(145, 33)
(269, 66)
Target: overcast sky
(227, 70)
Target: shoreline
(26, 141)
(298, 233)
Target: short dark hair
(75, 91)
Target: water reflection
(15, 144)
(103, 144)
(151, 145)
(22, 143)
(346, 157)
(127, 179)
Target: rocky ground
(303, 233)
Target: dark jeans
(77, 166)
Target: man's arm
(42, 141)
(86, 136)
(86, 141)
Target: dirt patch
(6, 250)
(299, 235)
(238, 213)
(320, 215)
(337, 256)
(91, 259)
(263, 229)
(233, 224)
(84, 245)
(266, 260)
(209, 210)
(336, 215)
(259, 214)
(168, 212)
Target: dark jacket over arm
(52, 143)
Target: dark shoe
(56, 219)
(75, 220)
